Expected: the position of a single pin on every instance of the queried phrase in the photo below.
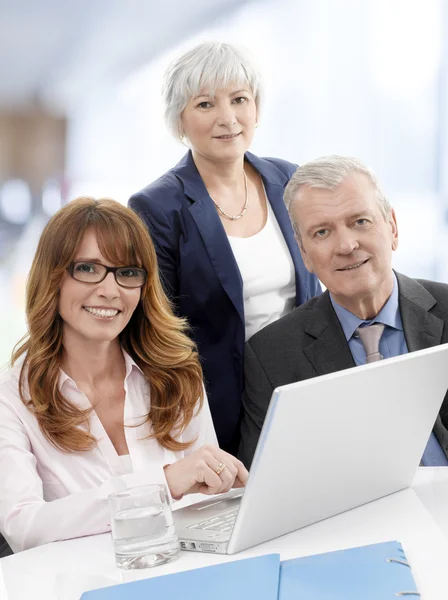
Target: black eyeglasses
(93, 272)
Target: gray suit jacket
(310, 341)
(5, 550)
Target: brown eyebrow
(94, 260)
(361, 214)
(99, 262)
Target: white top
(48, 495)
(267, 271)
(126, 463)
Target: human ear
(394, 229)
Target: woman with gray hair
(225, 245)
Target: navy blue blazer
(200, 274)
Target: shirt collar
(130, 364)
(389, 315)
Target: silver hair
(211, 65)
(329, 172)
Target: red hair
(154, 337)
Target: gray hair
(329, 172)
(211, 65)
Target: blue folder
(375, 572)
(238, 580)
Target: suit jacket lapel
(212, 231)
(328, 351)
(421, 328)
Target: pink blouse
(48, 495)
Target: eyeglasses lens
(94, 273)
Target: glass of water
(143, 531)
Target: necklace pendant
(246, 204)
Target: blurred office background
(81, 113)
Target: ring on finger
(220, 468)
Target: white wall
(356, 77)
(367, 78)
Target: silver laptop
(328, 444)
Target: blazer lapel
(212, 232)
(328, 352)
(421, 328)
(274, 183)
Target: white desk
(63, 570)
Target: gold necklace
(246, 204)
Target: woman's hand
(208, 470)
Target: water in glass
(143, 533)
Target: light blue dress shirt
(392, 343)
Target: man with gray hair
(346, 231)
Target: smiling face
(221, 127)
(347, 242)
(94, 312)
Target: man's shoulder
(291, 326)
(439, 291)
(436, 288)
(423, 295)
(415, 289)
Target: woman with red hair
(105, 392)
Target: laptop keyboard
(224, 522)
